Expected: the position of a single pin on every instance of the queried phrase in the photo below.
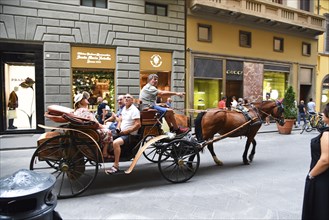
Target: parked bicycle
(314, 121)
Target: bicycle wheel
(308, 127)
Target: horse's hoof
(218, 162)
(246, 162)
(251, 158)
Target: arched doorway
(324, 92)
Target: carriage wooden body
(72, 152)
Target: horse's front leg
(244, 156)
(214, 157)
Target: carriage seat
(55, 113)
(149, 117)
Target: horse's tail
(197, 124)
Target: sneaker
(181, 130)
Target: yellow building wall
(323, 59)
(225, 40)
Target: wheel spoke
(62, 156)
(178, 167)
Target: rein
(228, 133)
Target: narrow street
(270, 188)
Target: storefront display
(20, 96)
(93, 71)
(274, 83)
(206, 93)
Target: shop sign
(234, 70)
(93, 57)
(155, 61)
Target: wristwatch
(310, 176)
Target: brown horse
(213, 121)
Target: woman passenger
(81, 110)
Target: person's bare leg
(170, 118)
(105, 150)
(117, 151)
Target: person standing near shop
(222, 103)
(316, 194)
(12, 105)
(311, 107)
(234, 103)
(301, 112)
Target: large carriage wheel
(62, 157)
(152, 152)
(182, 160)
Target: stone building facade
(43, 34)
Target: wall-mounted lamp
(175, 62)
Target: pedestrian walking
(301, 112)
(311, 107)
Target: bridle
(279, 105)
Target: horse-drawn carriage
(73, 154)
(72, 151)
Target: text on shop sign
(93, 57)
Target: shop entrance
(163, 81)
(233, 88)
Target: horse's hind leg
(253, 151)
(214, 157)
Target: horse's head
(278, 113)
(273, 109)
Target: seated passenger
(81, 110)
(114, 117)
(129, 123)
(148, 96)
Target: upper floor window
(245, 39)
(277, 1)
(204, 32)
(156, 9)
(278, 44)
(306, 49)
(94, 3)
(305, 5)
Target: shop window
(245, 39)
(278, 44)
(275, 84)
(20, 96)
(306, 49)
(94, 3)
(99, 83)
(156, 9)
(204, 32)
(206, 93)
